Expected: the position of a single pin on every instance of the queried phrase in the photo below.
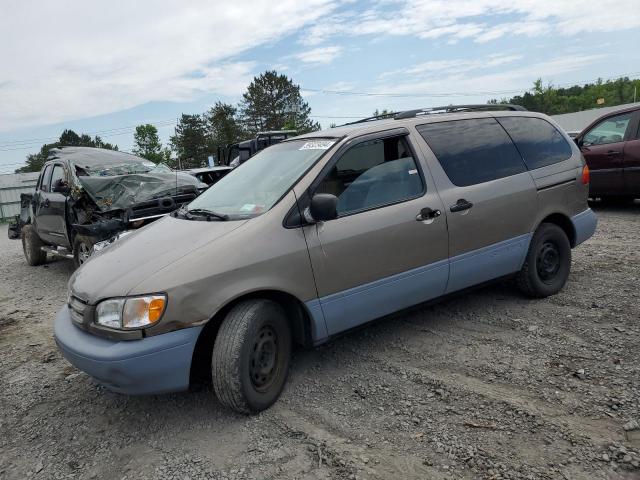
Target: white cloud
(320, 55)
(68, 60)
(457, 72)
(443, 67)
(482, 20)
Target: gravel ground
(487, 385)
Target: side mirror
(323, 207)
(61, 187)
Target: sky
(103, 67)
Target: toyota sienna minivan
(320, 234)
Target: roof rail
(375, 117)
(458, 108)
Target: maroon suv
(611, 147)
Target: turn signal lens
(586, 176)
(156, 307)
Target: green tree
(147, 143)
(273, 102)
(552, 101)
(68, 138)
(223, 126)
(191, 142)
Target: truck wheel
(251, 355)
(548, 262)
(32, 246)
(82, 246)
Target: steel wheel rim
(83, 253)
(548, 261)
(263, 368)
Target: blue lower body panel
(151, 365)
(484, 264)
(353, 307)
(584, 224)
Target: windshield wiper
(206, 213)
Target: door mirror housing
(324, 206)
(61, 187)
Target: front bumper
(151, 365)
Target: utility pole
(635, 87)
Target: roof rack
(458, 108)
(447, 109)
(375, 117)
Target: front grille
(77, 308)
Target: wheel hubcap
(264, 359)
(548, 261)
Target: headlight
(130, 313)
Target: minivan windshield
(256, 185)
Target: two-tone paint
(338, 274)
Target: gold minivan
(320, 234)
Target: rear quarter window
(473, 151)
(539, 142)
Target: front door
(381, 254)
(489, 196)
(51, 215)
(603, 148)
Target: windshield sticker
(413, 172)
(317, 145)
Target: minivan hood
(116, 270)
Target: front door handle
(461, 205)
(45, 204)
(613, 153)
(427, 214)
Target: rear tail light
(585, 175)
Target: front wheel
(82, 249)
(548, 262)
(251, 356)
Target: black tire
(548, 262)
(251, 354)
(82, 247)
(32, 246)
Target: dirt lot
(487, 385)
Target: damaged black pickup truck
(86, 198)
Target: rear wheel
(548, 262)
(251, 356)
(82, 248)
(32, 246)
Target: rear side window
(46, 177)
(473, 151)
(539, 142)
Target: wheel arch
(297, 314)
(564, 222)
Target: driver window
(373, 173)
(610, 130)
(58, 174)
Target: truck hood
(116, 270)
(122, 191)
